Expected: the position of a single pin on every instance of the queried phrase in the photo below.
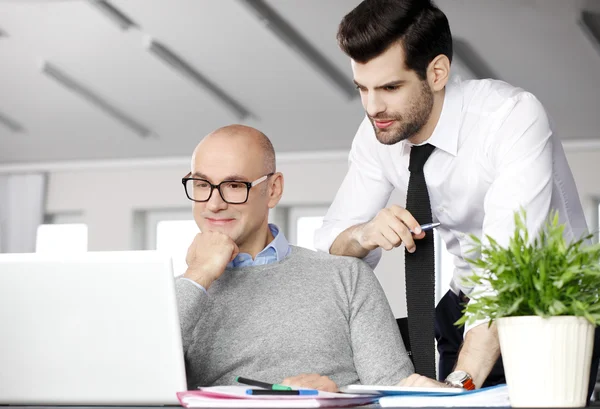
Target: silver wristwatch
(460, 379)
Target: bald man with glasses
(253, 305)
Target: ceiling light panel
(176, 62)
(590, 25)
(472, 60)
(10, 123)
(290, 36)
(114, 14)
(83, 91)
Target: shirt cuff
(469, 327)
(196, 284)
(476, 292)
(326, 235)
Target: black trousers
(450, 337)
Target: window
(303, 222)
(62, 234)
(174, 238)
(171, 232)
(444, 265)
(305, 230)
(596, 232)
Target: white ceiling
(535, 44)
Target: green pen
(272, 386)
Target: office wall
(108, 194)
(585, 165)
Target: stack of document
(240, 397)
(394, 396)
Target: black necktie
(420, 269)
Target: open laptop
(98, 328)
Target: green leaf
(515, 305)
(557, 308)
(535, 274)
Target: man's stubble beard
(416, 118)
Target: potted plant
(544, 294)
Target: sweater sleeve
(191, 301)
(380, 357)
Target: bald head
(251, 138)
(232, 159)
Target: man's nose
(374, 104)
(216, 202)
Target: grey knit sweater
(309, 313)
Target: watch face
(458, 376)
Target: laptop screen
(95, 328)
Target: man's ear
(275, 189)
(438, 73)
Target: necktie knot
(418, 156)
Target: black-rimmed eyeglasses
(231, 191)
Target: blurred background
(102, 103)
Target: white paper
(236, 397)
(401, 390)
(495, 396)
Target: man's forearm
(346, 245)
(190, 305)
(479, 352)
(200, 277)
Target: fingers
(402, 231)
(390, 228)
(191, 252)
(235, 252)
(409, 381)
(407, 218)
(213, 238)
(294, 380)
(416, 380)
(419, 236)
(311, 381)
(208, 256)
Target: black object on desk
(304, 392)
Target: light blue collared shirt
(275, 251)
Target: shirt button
(441, 209)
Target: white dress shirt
(495, 152)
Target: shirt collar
(279, 244)
(445, 134)
(276, 250)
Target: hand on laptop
(207, 257)
(311, 381)
(423, 381)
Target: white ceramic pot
(546, 360)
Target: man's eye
(234, 185)
(202, 185)
(391, 88)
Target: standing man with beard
(468, 154)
